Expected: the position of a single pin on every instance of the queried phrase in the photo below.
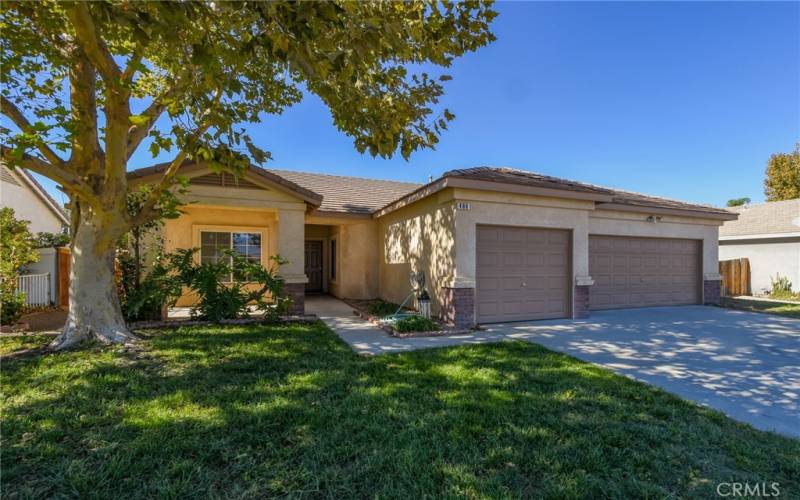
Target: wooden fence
(735, 277)
(63, 277)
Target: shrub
(781, 285)
(382, 308)
(16, 250)
(219, 298)
(13, 305)
(50, 240)
(416, 324)
(158, 288)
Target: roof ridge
(598, 186)
(278, 170)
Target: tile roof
(354, 195)
(361, 196)
(523, 177)
(773, 217)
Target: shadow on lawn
(254, 412)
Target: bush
(158, 288)
(50, 240)
(781, 286)
(13, 305)
(219, 298)
(416, 324)
(16, 251)
(382, 308)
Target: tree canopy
(210, 66)
(85, 84)
(738, 202)
(782, 180)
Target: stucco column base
(581, 308)
(711, 292)
(296, 292)
(458, 307)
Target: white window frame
(199, 230)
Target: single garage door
(522, 273)
(643, 272)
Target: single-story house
(495, 244)
(20, 190)
(768, 235)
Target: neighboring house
(768, 234)
(20, 191)
(495, 244)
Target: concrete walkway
(362, 336)
(744, 364)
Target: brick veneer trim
(580, 308)
(458, 307)
(711, 292)
(297, 292)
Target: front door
(314, 266)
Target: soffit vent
(224, 180)
(7, 176)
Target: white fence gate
(36, 288)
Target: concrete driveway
(744, 364)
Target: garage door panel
(530, 270)
(641, 272)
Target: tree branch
(133, 64)
(137, 133)
(69, 180)
(9, 109)
(95, 48)
(146, 213)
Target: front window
(214, 244)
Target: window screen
(213, 245)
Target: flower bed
(361, 308)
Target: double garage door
(526, 273)
(643, 272)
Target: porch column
(291, 247)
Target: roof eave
(655, 209)
(486, 185)
(310, 197)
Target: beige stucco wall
(615, 223)
(418, 237)
(357, 259)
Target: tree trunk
(94, 310)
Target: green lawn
(783, 309)
(290, 411)
(23, 342)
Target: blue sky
(685, 100)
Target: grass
(9, 345)
(254, 411)
(782, 309)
